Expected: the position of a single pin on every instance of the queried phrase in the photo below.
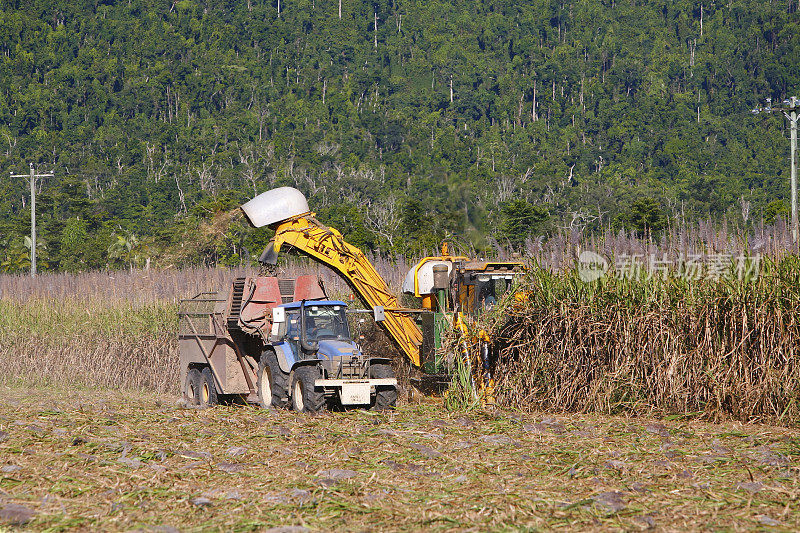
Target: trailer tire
(273, 392)
(191, 388)
(208, 390)
(306, 397)
(385, 395)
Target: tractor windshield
(488, 290)
(326, 322)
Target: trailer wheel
(191, 388)
(208, 390)
(385, 395)
(306, 397)
(271, 381)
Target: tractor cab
(316, 329)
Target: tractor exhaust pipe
(307, 346)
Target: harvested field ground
(121, 461)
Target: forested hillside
(403, 121)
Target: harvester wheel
(306, 397)
(191, 389)
(386, 395)
(208, 390)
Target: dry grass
(681, 239)
(159, 286)
(659, 346)
(72, 460)
(86, 343)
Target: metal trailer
(253, 342)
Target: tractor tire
(272, 381)
(280, 383)
(264, 383)
(307, 398)
(191, 388)
(208, 390)
(385, 395)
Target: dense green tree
(521, 220)
(644, 216)
(73, 245)
(159, 118)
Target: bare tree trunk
(534, 116)
(701, 20)
(180, 194)
(698, 105)
(451, 88)
(376, 30)
(340, 9)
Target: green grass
(70, 317)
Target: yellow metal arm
(327, 246)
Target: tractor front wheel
(385, 395)
(306, 397)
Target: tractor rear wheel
(306, 397)
(191, 388)
(208, 390)
(272, 381)
(264, 385)
(385, 395)
(280, 382)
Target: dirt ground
(89, 460)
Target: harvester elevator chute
(286, 209)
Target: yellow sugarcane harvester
(452, 290)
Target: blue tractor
(311, 361)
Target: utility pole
(790, 108)
(33, 175)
